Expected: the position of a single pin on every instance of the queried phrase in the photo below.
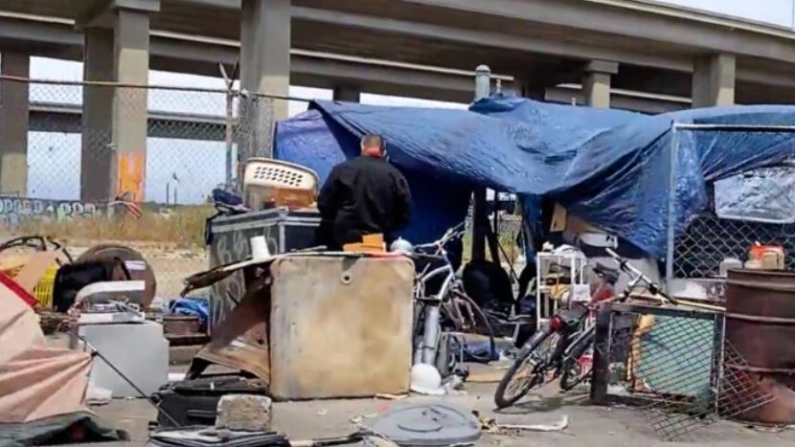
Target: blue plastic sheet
(316, 140)
(610, 167)
(195, 307)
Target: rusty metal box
(340, 327)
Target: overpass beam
(114, 125)
(347, 94)
(14, 118)
(714, 80)
(596, 83)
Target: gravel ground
(588, 426)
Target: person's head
(373, 146)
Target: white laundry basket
(269, 182)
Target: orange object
(130, 175)
(371, 243)
(757, 251)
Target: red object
(23, 294)
(555, 323)
(604, 292)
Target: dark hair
(371, 140)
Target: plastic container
(729, 264)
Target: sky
(199, 166)
(773, 12)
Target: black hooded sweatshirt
(363, 195)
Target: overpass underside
(620, 54)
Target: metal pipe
(431, 338)
(479, 216)
(671, 246)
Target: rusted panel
(241, 340)
(760, 324)
(341, 327)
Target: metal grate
(709, 239)
(671, 362)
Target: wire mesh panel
(735, 209)
(708, 240)
(671, 363)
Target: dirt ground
(588, 426)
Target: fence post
(671, 246)
(229, 136)
(479, 215)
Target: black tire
(484, 319)
(501, 399)
(571, 374)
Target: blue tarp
(609, 167)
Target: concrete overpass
(603, 45)
(59, 39)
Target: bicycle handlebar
(450, 234)
(628, 268)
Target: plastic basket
(43, 292)
(44, 289)
(278, 182)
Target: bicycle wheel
(484, 321)
(528, 370)
(574, 371)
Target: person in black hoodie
(361, 196)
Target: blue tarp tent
(609, 167)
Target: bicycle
(559, 347)
(451, 301)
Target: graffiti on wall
(14, 210)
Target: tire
(484, 320)
(571, 374)
(501, 398)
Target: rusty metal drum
(760, 326)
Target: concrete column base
(714, 80)
(596, 83)
(14, 117)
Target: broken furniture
(319, 326)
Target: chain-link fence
(100, 162)
(753, 207)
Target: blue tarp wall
(610, 167)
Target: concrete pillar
(713, 80)
(115, 119)
(265, 68)
(526, 88)
(14, 116)
(596, 83)
(347, 94)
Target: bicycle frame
(426, 351)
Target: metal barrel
(760, 326)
